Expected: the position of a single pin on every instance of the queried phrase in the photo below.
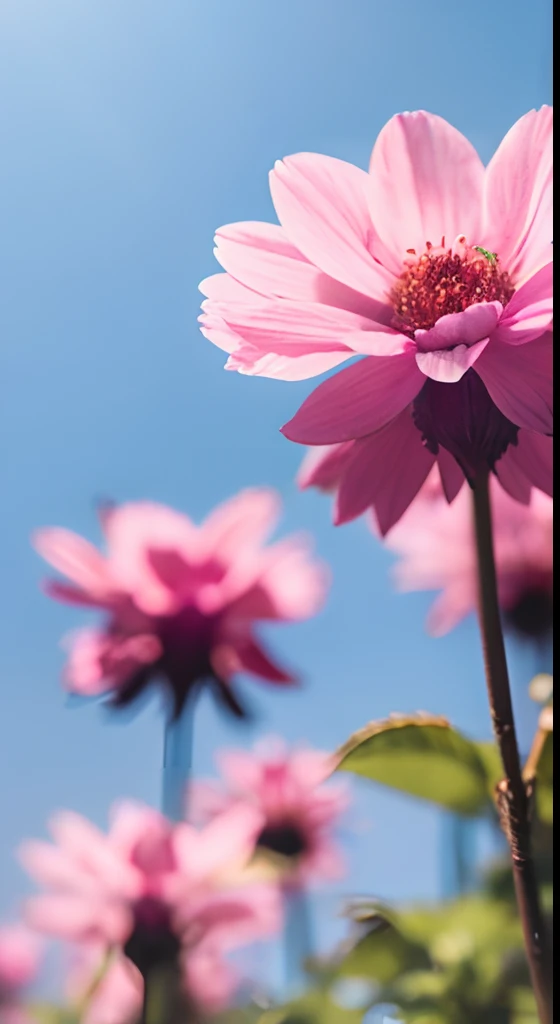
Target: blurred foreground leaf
(312, 1008)
(421, 755)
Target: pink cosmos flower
(437, 271)
(436, 544)
(182, 600)
(209, 979)
(157, 890)
(298, 813)
(20, 959)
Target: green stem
(513, 798)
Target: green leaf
(421, 755)
(44, 1013)
(312, 1008)
(382, 954)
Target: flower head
(298, 812)
(159, 892)
(437, 271)
(181, 601)
(20, 958)
(436, 545)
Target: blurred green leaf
(44, 1013)
(421, 755)
(382, 954)
(312, 1008)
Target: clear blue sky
(131, 130)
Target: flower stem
(164, 1000)
(513, 797)
(298, 943)
(177, 760)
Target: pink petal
(425, 182)
(450, 364)
(512, 478)
(295, 328)
(518, 196)
(77, 559)
(132, 531)
(253, 659)
(529, 313)
(451, 475)
(244, 521)
(322, 466)
(261, 258)
(296, 584)
(386, 470)
(222, 846)
(290, 367)
(358, 400)
(519, 381)
(321, 203)
(472, 325)
(73, 595)
(529, 463)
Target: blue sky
(130, 131)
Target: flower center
(442, 281)
(283, 838)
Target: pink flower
(20, 958)
(436, 544)
(181, 601)
(298, 812)
(157, 890)
(437, 271)
(209, 980)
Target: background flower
(299, 814)
(435, 542)
(182, 601)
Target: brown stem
(513, 798)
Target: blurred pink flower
(209, 980)
(155, 889)
(20, 957)
(435, 542)
(182, 600)
(20, 960)
(298, 812)
(435, 269)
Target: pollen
(442, 281)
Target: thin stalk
(298, 944)
(513, 797)
(177, 761)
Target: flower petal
(518, 196)
(519, 381)
(386, 470)
(530, 462)
(425, 182)
(321, 203)
(529, 313)
(451, 475)
(358, 400)
(450, 364)
(466, 328)
(262, 258)
(77, 559)
(322, 466)
(293, 328)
